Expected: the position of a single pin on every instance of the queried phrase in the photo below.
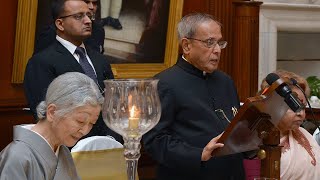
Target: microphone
(285, 91)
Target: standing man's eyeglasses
(209, 43)
(79, 16)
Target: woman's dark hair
(287, 75)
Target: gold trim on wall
(25, 36)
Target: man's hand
(212, 145)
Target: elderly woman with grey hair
(72, 105)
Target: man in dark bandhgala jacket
(198, 102)
(73, 24)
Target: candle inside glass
(134, 118)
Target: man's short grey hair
(188, 24)
(68, 92)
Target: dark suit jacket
(46, 65)
(189, 121)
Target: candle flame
(132, 111)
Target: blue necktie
(87, 68)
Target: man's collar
(68, 45)
(196, 70)
(184, 58)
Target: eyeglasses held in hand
(209, 43)
(79, 16)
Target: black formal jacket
(46, 65)
(192, 105)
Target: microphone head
(294, 81)
(285, 91)
(271, 78)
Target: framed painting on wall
(150, 54)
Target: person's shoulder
(310, 138)
(51, 48)
(38, 59)
(47, 53)
(16, 152)
(16, 160)
(305, 132)
(167, 73)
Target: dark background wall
(12, 98)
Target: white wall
(304, 20)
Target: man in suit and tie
(96, 41)
(68, 54)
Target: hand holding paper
(212, 145)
